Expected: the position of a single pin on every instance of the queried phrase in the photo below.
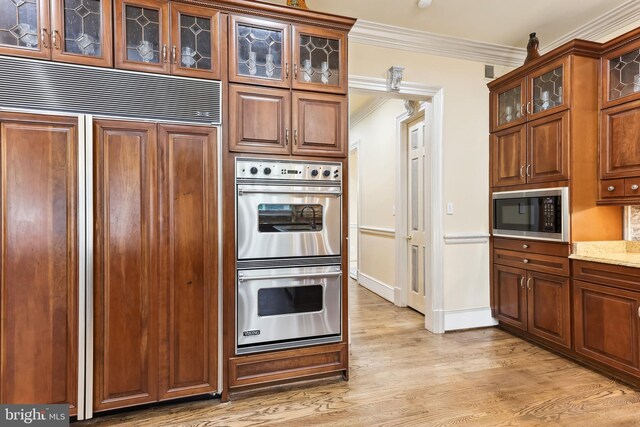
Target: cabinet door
(319, 59)
(548, 146)
(188, 261)
(619, 136)
(195, 41)
(82, 32)
(508, 156)
(621, 75)
(125, 265)
(319, 124)
(259, 119)
(606, 325)
(24, 28)
(507, 105)
(142, 35)
(511, 296)
(259, 52)
(549, 307)
(39, 281)
(548, 89)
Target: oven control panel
(274, 169)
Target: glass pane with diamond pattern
(547, 90)
(142, 34)
(259, 52)
(509, 103)
(82, 25)
(319, 60)
(624, 75)
(195, 42)
(19, 23)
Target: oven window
(291, 300)
(289, 218)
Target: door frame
(434, 313)
(355, 146)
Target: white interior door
(419, 198)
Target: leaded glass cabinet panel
(548, 89)
(82, 32)
(259, 52)
(621, 75)
(195, 41)
(319, 59)
(508, 105)
(142, 35)
(24, 28)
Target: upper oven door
(284, 221)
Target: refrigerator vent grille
(40, 85)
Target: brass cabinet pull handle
(286, 137)
(44, 36)
(295, 137)
(528, 107)
(295, 71)
(611, 188)
(528, 168)
(522, 109)
(522, 171)
(522, 282)
(164, 53)
(638, 311)
(634, 187)
(174, 55)
(56, 44)
(286, 69)
(529, 283)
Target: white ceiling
(503, 22)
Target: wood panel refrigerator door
(125, 264)
(417, 238)
(319, 124)
(189, 273)
(39, 282)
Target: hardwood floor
(401, 375)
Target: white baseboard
(376, 286)
(468, 319)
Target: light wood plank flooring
(401, 375)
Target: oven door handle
(242, 278)
(242, 191)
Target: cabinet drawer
(632, 187)
(534, 262)
(611, 188)
(532, 246)
(607, 274)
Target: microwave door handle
(242, 191)
(243, 278)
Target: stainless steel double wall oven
(289, 234)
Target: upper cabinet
(77, 31)
(621, 74)
(544, 91)
(275, 54)
(148, 40)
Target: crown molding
(366, 110)
(392, 37)
(603, 25)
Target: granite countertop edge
(614, 259)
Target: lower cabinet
(39, 259)
(155, 269)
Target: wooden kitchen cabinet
(511, 296)
(620, 70)
(185, 45)
(39, 282)
(275, 121)
(619, 136)
(78, 31)
(535, 152)
(276, 54)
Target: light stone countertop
(616, 252)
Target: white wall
(465, 168)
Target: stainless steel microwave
(532, 214)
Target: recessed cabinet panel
(125, 265)
(509, 157)
(548, 148)
(619, 137)
(259, 52)
(549, 307)
(24, 28)
(511, 297)
(319, 124)
(260, 119)
(39, 281)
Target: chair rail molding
(378, 231)
(465, 238)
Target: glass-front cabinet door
(621, 75)
(142, 35)
(82, 32)
(508, 105)
(24, 28)
(548, 89)
(259, 52)
(195, 41)
(319, 59)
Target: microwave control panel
(549, 214)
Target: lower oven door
(285, 221)
(288, 307)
